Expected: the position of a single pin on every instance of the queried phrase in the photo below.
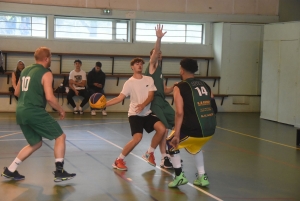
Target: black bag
(66, 81)
(60, 89)
(11, 89)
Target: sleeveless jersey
(32, 100)
(199, 119)
(158, 81)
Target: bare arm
(156, 52)
(168, 90)
(81, 84)
(71, 86)
(140, 107)
(115, 100)
(47, 84)
(14, 80)
(178, 116)
(17, 89)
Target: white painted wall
(237, 59)
(217, 43)
(281, 73)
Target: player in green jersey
(159, 106)
(34, 91)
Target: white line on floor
(199, 189)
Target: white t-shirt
(138, 90)
(77, 77)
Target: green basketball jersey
(32, 100)
(199, 118)
(158, 81)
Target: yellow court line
(11, 134)
(247, 135)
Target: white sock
(14, 165)
(150, 149)
(176, 160)
(121, 156)
(59, 160)
(163, 156)
(200, 163)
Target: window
(93, 29)
(176, 33)
(22, 25)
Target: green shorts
(34, 132)
(163, 110)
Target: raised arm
(156, 52)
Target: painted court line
(247, 135)
(197, 188)
(10, 134)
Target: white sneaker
(104, 113)
(75, 110)
(80, 110)
(93, 112)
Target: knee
(137, 138)
(62, 137)
(38, 145)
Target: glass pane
(83, 29)
(22, 25)
(177, 33)
(121, 32)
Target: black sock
(178, 171)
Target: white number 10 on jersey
(25, 83)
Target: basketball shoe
(12, 175)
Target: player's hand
(62, 114)
(159, 31)
(76, 92)
(174, 142)
(139, 108)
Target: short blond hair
(41, 53)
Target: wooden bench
(60, 55)
(10, 94)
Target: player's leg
(158, 111)
(136, 126)
(179, 178)
(202, 179)
(35, 142)
(153, 123)
(194, 148)
(70, 96)
(51, 130)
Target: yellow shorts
(193, 145)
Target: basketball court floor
(247, 159)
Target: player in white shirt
(141, 89)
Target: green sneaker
(178, 180)
(202, 181)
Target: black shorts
(138, 123)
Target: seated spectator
(16, 75)
(77, 82)
(96, 82)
